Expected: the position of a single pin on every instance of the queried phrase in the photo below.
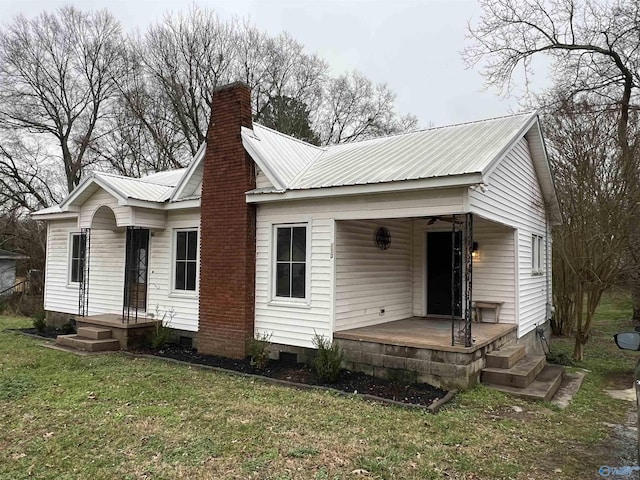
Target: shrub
(160, 336)
(328, 358)
(258, 349)
(40, 321)
(69, 327)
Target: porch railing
(461, 270)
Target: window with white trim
(290, 269)
(537, 255)
(186, 260)
(77, 257)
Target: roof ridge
(430, 129)
(138, 179)
(290, 137)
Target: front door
(444, 264)
(135, 279)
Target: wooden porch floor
(423, 332)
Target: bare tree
(354, 108)
(56, 75)
(592, 191)
(27, 175)
(593, 47)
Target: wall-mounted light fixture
(474, 250)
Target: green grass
(64, 416)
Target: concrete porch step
(88, 344)
(519, 375)
(506, 357)
(94, 333)
(543, 388)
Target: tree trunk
(635, 294)
(578, 348)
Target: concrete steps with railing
(511, 370)
(90, 339)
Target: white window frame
(70, 280)
(537, 255)
(295, 301)
(174, 258)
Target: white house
(265, 233)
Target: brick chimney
(227, 229)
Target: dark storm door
(441, 270)
(137, 251)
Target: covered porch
(416, 295)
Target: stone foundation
(440, 368)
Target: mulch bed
(288, 370)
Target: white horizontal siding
(261, 180)
(418, 268)
(369, 279)
(494, 269)
(148, 218)
(106, 271)
(296, 325)
(161, 299)
(514, 198)
(59, 295)
(98, 199)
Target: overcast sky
(412, 45)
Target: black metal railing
(461, 279)
(83, 288)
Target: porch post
(468, 278)
(453, 280)
(83, 288)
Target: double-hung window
(291, 261)
(537, 255)
(77, 258)
(186, 260)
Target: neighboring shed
(8, 269)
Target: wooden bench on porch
(479, 305)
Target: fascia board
(467, 179)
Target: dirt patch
(288, 370)
(620, 381)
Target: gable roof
(455, 155)
(153, 188)
(436, 152)
(279, 156)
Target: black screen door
(440, 272)
(135, 290)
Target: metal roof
(279, 156)
(437, 152)
(152, 188)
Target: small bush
(328, 358)
(559, 359)
(258, 349)
(160, 336)
(68, 328)
(40, 321)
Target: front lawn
(113, 416)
